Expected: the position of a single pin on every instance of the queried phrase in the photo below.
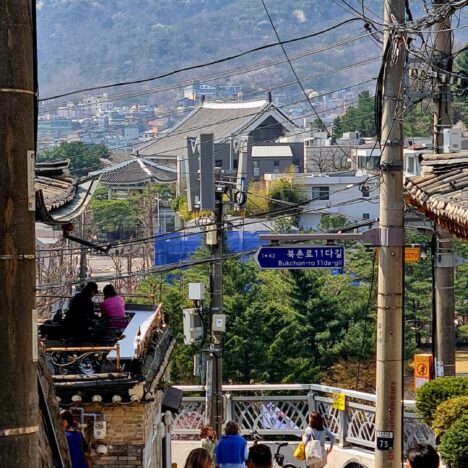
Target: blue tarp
(176, 247)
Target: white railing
(268, 410)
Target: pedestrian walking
(198, 458)
(77, 445)
(423, 456)
(231, 450)
(314, 437)
(259, 457)
(208, 440)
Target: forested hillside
(88, 42)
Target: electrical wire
(366, 316)
(212, 77)
(293, 69)
(202, 65)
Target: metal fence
(281, 410)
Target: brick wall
(128, 434)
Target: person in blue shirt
(231, 450)
(77, 445)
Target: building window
(365, 216)
(368, 162)
(410, 164)
(219, 163)
(236, 164)
(276, 163)
(320, 193)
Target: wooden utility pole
(444, 260)
(390, 284)
(19, 421)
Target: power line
(225, 74)
(202, 65)
(292, 68)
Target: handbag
(299, 453)
(313, 450)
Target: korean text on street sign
(293, 257)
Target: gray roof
(135, 171)
(222, 119)
(59, 198)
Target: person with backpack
(314, 437)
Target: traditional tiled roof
(442, 191)
(136, 171)
(59, 198)
(222, 119)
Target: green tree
(453, 447)
(83, 158)
(360, 117)
(461, 62)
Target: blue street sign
(294, 257)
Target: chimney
(269, 97)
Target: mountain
(84, 43)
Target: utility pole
(214, 375)
(444, 261)
(388, 423)
(19, 420)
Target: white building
(354, 195)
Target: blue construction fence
(174, 247)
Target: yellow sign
(339, 401)
(422, 366)
(412, 254)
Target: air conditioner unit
(452, 140)
(193, 326)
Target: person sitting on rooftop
(80, 313)
(113, 308)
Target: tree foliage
(83, 158)
(360, 117)
(282, 326)
(435, 392)
(453, 447)
(448, 412)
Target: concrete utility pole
(390, 284)
(214, 376)
(19, 421)
(444, 261)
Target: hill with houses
(87, 42)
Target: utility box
(193, 326)
(196, 291)
(452, 140)
(211, 235)
(99, 430)
(219, 323)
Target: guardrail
(269, 411)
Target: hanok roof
(441, 191)
(59, 198)
(136, 171)
(224, 120)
